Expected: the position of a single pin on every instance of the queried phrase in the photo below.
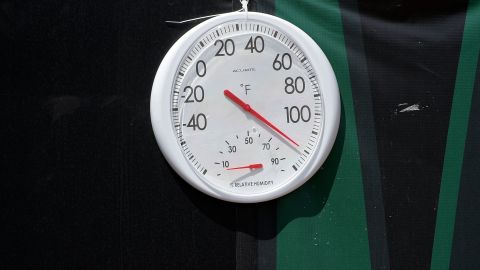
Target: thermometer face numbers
(246, 107)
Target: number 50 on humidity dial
(245, 108)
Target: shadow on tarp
(260, 220)
(310, 199)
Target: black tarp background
(84, 186)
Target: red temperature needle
(249, 109)
(251, 166)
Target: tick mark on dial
(220, 152)
(218, 163)
(227, 142)
(270, 139)
(277, 148)
(236, 136)
(282, 159)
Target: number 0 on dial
(245, 107)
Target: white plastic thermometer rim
(160, 107)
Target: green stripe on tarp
(466, 239)
(323, 225)
(457, 132)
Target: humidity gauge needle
(251, 166)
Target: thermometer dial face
(246, 109)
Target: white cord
(244, 8)
(198, 18)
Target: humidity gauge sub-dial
(250, 162)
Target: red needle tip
(249, 109)
(251, 166)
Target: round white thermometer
(245, 107)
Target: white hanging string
(244, 8)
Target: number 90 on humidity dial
(245, 109)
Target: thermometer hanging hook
(244, 5)
(244, 8)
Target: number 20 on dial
(245, 107)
